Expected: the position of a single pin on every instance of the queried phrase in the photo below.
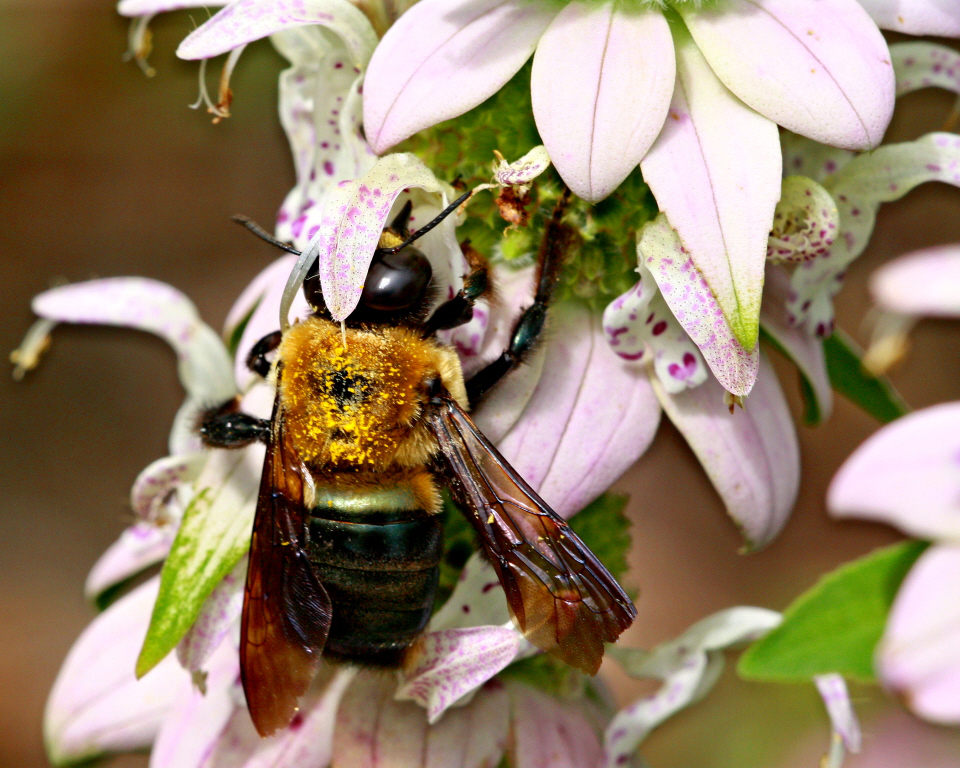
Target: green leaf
(603, 527)
(214, 535)
(836, 625)
(874, 395)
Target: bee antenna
(263, 234)
(427, 227)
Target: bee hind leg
(225, 426)
(558, 239)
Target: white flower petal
(919, 656)
(833, 691)
(820, 69)
(454, 662)
(804, 157)
(923, 283)
(916, 17)
(464, 51)
(477, 599)
(551, 733)
(925, 65)
(149, 305)
(139, 546)
(152, 7)
(868, 180)
(602, 80)
(218, 616)
(150, 496)
(804, 350)
(720, 206)
(907, 475)
(244, 21)
(751, 456)
(354, 215)
(692, 302)
(97, 705)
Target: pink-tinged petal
(152, 306)
(919, 656)
(244, 21)
(804, 350)
(151, 495)
(865, 182)
(139, 546)
(925, 65)
(685, 290)
(551, 733)
(308, 741)
(465, 51)
(218, 616)
(97, 705)
(477, 599)
(751, 456)
(198, 719)
(820, 69)
(601, 84)
(151, 7)
(805, 224)
(720, 206)
(833, 691)
(916, 17)
(374, 731)
(455, 662)
(803, 157)
(354, 215)
(590, 418)
(922, 283)
(907, 474)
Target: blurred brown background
(105, 172)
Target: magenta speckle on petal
(328, 168)
(659, 327)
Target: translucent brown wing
(286, 610)
(562, 598)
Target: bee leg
(558, 239)
(459, 309)
(257, 358)
(225, 426)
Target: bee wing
(562, 598)
(286, 610)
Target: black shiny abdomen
(381, 570)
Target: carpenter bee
(369, 423)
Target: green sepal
(812, 412)
(213, 536)
(836, 625)
(875, 395)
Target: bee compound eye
(396, 280)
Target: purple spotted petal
(354, 215)
(150, 496)
(751, 456)
(859, 188)
(925, 65)
(374, 731)
(924, 283)
(602, 80)
(218, 616)
(192, 729)
(524, 170)
(464, 51)
(477, 599)
(686, 292)
(804, 350)
(139, 546)
(551, 733)
(454, 662)
(151, 7)
(244, 21)
(804, 157)
(97, 705)
(149, 305)
(590, 418)
(916, 17)
(820, 69)
(805, 224)
(720, 206)
(907, 475)
(919, 656)
(833, 691)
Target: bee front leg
(257, 358)
(459, 309)
(226, 426)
